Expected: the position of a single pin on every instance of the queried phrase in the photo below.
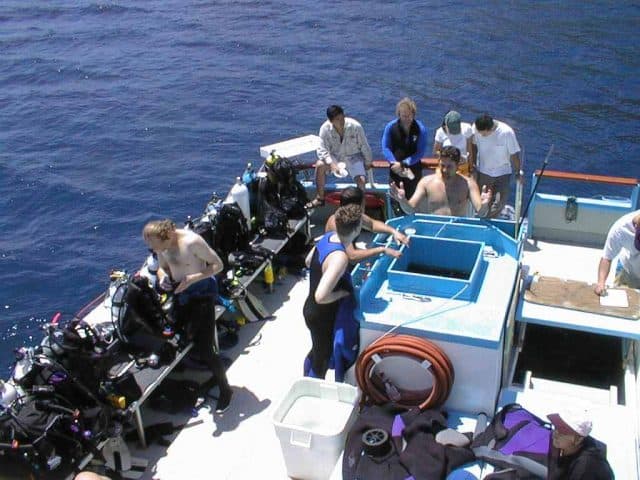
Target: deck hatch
(438, 266)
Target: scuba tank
(240, 195)
(249, 174)
(8, 394)
(150, 272)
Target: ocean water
(115, 113)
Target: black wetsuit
(320, 318)
(404, 145)
(195, 310)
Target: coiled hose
(379, 390)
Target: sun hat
(452, 121)
(572, 422)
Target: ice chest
(312, 422)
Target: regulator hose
(378, 389)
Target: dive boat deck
(241, 443)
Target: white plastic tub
(312, 422)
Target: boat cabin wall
(583, 221)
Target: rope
(380, 390)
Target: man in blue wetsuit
(188, 266)
(404, 143)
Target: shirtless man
(188, 266)
(445, 192)
(355, 195)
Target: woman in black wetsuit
(330, 282)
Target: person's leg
(204, 313)
(501, 187)
(320, 325)
(360, 182)
(321, 180)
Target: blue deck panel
(476, 319)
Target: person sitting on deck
(329, 305)
(355, 196)
(445, 192)
(188, 266)
(342, 139)
(404, 143)
(574, 454)
(623, 240)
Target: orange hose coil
(406, 345)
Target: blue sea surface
(116, 113)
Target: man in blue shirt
(404, 143)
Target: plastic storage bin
(312, 422)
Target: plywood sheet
(574, 295)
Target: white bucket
(312, 422)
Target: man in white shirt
(496, 156)
(456, 133)
(342, 139)
(623, 241)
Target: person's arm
(365, 148)
(359, 254)
(409, 206)
(480, 200)
(324, 149)
(334, 266)
(385, 143)
(213, 263)
(307, 260)
(377, 226)
(604, 267)
(437, 146)
(470, 154)
(421, 147)
(473, 154)
(515, 164)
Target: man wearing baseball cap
(576, 455)
(623, 241)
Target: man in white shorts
(342, 139)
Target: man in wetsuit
(187, 266)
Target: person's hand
(184, 284)
(392, 252)
(368, 166)
(600, 289)
(485, 195)
(334, 167)
(400, 237)
(166, 284)
(396, 168)
(397, 192)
